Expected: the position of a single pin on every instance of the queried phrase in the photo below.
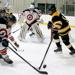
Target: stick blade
(43, 72)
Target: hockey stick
(15, 30)
(41, 72)
(47, 49)
(14, 46)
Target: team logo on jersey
(29, 17)
(3, 32)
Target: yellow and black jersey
(61, 24)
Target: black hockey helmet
(12, 18)
(52, 9)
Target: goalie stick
(14, 31)
(47, 49)
(41, 72)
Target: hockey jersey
(61, 24)
(30, 16)
(5, 32)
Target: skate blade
(73, 55)
(3, 63)
(58, 52)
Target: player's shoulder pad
(35, 11)
(26, 10)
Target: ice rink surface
(57, 64)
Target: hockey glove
(49, 25)
(5, 42)
(17, 45)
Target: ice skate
(7, 59)
(72, 52)
(58, 50)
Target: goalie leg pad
(23, 32)
(37, 31)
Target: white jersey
(3, 34)
(30, 16)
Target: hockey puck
(44, 66)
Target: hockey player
(38, 11)
(6, 23)
(61, 28)
(31, 17)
